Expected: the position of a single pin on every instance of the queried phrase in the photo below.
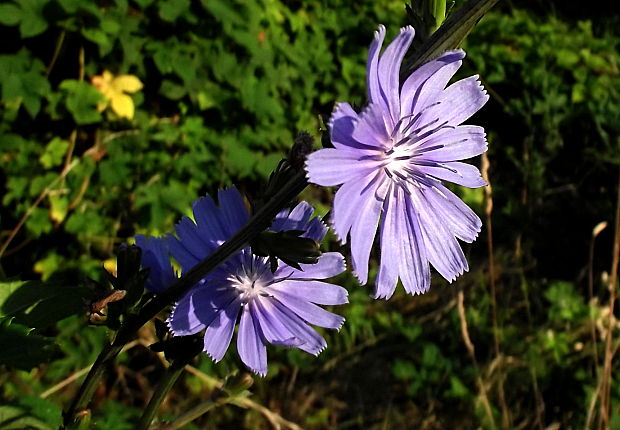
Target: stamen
(417, 116)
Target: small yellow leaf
(122, 105)
(127, 84)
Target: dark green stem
(449, 35)
(163, 387)
(259, 221)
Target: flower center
(252, 276)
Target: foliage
(226, 85)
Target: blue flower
(390, 161)
(274, 308)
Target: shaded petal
(295, 219)
(220, 331)
(415, 271)
(458, 217)
(212, 224)
(155, 258)
(330, 166)
(184, 256)
(250, 347)
(329, 264)
(321, 293)
(457, 172)
(416, 91)
(443, 251)
(316, 229)
(313, 342)
(271, 327)
(464, 141)
(387, 275)
(389, 71)
(183, 321)
(192, 239)
(371, 128)
(341, 125)
(308, 311)
(233, 209)
(372, 67)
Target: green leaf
(21, 349)
(171, 10)
(82, 99)
(10, 14)
(30, 412)
(33, 22)
(54, 153)
(41, 304)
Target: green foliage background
(227, 84)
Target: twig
(488, 212)
(32, 207)
(607, 361)
(59, 42)
(595, 232)
(460, 306)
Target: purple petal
(443, 251)
(329, 264)
(271, 327)
(389, 70)
(387, 275)
(295, 219)
(250, 347)
(212, 225)
(458, 217)
(350, 200)
(457, 172)
(462, 142)
(341, 125)
(418, 89)
(184, 256)
(183, 320)
(316, 229)
(309, 311)
(313, 342)
(220, 331)
(321, 293)
(414, 268)
(192, 240)
(364, 229)
(155, 258)
(371, 128)
(458, 102)
(233, 209)
(330, 166)
(372, 67)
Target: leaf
(21, 349)
(41, 304)
(33, 22)
(10, 14)
(171, 10)
(82, 100)
(54, 153)
(30, 412)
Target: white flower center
(251, 279)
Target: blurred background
(116, 114)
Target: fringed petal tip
(380, 32)
(332, 226)
(408, 29)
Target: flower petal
(313, 342)
(309, 311)
(321, 293)
(330, 166)
(458, 102)
(183, 321)
(418, 88)
(295, 219)
(443, 251)
(199, 307)
(371, 129)
(329, 264)
(349, 202)
(450, 144)
(341, 125)
(220, 331)
(458, 217)
(271, 327)
(387, 275)
(415, 271)
(372, 68)
(250, 347)
(457, 172)
(389, 70)
(364, 228)
(155, 258)
(233, 209)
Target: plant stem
(162, 389)
(449, 35)
(259, 221)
